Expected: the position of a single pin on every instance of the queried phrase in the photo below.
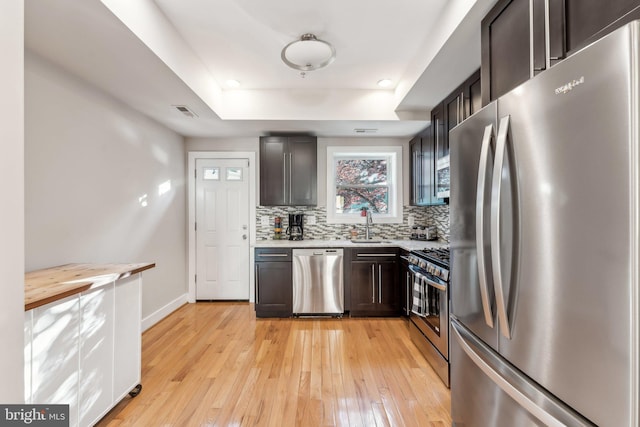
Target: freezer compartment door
(472, 149)
(486, 391)
(567, 308)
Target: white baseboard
(163, 312)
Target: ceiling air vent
(185, 110)
(362, 130)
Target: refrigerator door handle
(496, 193)
(554, 416)
(480, 224)
(547, 41)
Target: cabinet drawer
(273, 255)
(374, 254)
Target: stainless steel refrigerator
(545, 247)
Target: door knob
(244, 227)
(244, 237)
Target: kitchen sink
(370, 241)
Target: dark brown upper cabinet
(460, 104)
(521, 38)
(588, 20)
(439, 134)
(415, 172)
(475, 94)
(288, 171)
(422, 170)
(506, 47)
(432, 144)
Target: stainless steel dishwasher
(318, 286)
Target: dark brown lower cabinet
(405, 283)
(274, 287)
(372, 277)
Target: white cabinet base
(85, 350)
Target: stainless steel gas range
(428, 274)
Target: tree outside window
(360, 177)
(362, 183)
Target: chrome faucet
(367, 224)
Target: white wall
(12, 212)
(89, 158)
(252, 144)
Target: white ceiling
(242, 39)
(152, 54)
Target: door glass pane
(234, 174)
(211, 174)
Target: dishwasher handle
(318, 252)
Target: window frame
(393, 155)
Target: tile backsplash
(430, 215)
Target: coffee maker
(295, 228)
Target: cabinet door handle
(415, 176)
(290, 167)
(556, 30)
(409, 293)
(547, 34)
(373, 283)
(532, 53)
(273, 255)
(257, 285)
(376, 255)
(284, 178)
(419, 183)
(379, 283)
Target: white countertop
(408, 245)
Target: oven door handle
(426, 279)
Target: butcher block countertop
(51, 284)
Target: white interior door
(222, 229)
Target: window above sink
(364, 178)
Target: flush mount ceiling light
(308, 53)
(231, 83)
(385, 82)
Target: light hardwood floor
(216, 364)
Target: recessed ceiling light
(384, 83)
(233, 83)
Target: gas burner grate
(440, 255)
